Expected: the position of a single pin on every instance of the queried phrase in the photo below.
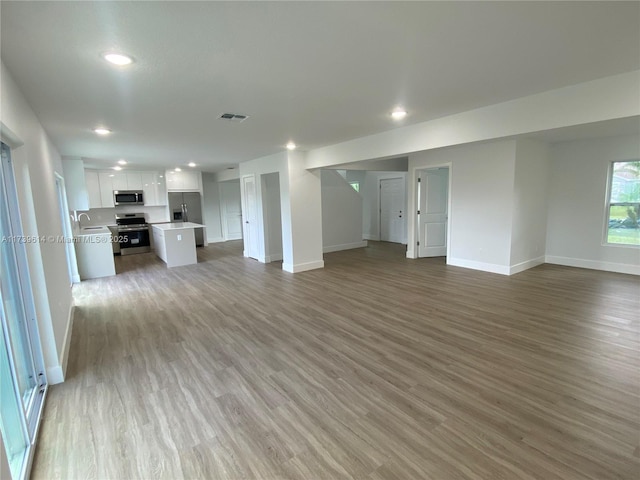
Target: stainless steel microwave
(128, 197)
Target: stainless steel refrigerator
(186, 207)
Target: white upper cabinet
(119, 181)
(100, 186)
(93, 188)
(153, 189)
(74, 184)
(107, 188)
(134, 181)
(187, 181)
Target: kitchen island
(175, 243)
(94, 253)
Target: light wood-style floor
(376, 367)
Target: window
(624, 204)
(355, 185)
(22, 377)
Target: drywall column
(305, 208)
(529, 222)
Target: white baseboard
(274, 257)
(594, 265)
(344, 246)
(485, 267)
(370, 236)
(302, 267)
(215, 239)
(233, 237)
(522, 266)
(55, 375)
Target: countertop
(102, 230)
(177, 226)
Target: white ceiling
(317, 73)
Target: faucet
(75, 216)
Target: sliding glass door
(22, 379)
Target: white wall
(211, 212)
(341, 213)
(35, 163)
(272, 216)
(529, 224)
(482, 182)
(577, 196)
(77, 195)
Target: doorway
(72, 265)
(392, 210)
(433, 212)
(23, 382)
(250, 221)
(231, 210)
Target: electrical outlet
(179, 237)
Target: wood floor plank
(375, 367)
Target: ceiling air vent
(234, 117)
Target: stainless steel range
(133, 233)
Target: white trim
(9, 137)
(215, 239)
(55, 375)
(485, 267)
(344, 246)
(370, 236)
(594, 264)
(302, 267)
(232, 237)
(64, 360)
(274, 257)
(526, 265)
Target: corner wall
(529, 223)
(577, 197)
(482, 182)
(341, 214)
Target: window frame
(608, 204)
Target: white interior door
(392, 208)
(250, 224)
(433, 217)
(231, 210)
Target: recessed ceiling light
(398, 114)
(111, 175)
(177, 169)
(160, 176)
(291, 146)
(191, 164)
(102, 131)
(117, 168)
(122, 161)
(118, 59)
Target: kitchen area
(135, 212)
